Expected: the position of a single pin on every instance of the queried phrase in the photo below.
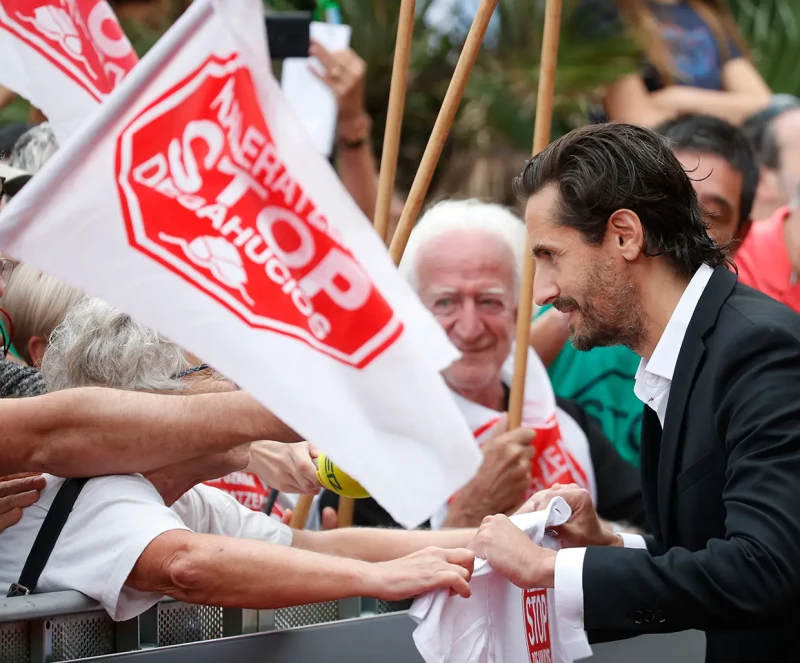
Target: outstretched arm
(95, 431)
(379, 545)
(227, 572)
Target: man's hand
(502, 479)
(422, 571)
(287, 467)
(16, 493)
(344, 73)
(513, 555)
(584, 527)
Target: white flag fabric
(64, 56)
(194, 201)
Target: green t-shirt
(602, 380)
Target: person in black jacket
(621, 245)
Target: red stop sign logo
(80, 37)
(205, 193)
(537, 625)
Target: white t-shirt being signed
(114, 519)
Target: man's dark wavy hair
(602, 168)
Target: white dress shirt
(653, 379)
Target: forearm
(732, 106)
(358, 171)
(238, 573)
(95, 431)
(379, 545)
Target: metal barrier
(63, 626)
(66, 626)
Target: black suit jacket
(721, 487)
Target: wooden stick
(394, 117)
(541, 138)
(301, 511)
(422, 180)
(345, 511)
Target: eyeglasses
(191, 371)
(6, 268)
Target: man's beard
(611, 313)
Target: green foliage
(772, 29)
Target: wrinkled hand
(16, 493)
(512, 554)
(287, 467)
(502, 480)
(329, 518)
(344, 73)
(422, 571)
(584, 527)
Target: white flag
(194, 201)
(64, 56)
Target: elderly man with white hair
(464, 259)
(132, 539)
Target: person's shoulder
(755, 320)
(761, 239)
(17, 380)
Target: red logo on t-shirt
(81, 37)
(247, 489)
(537, 625)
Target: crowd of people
(653, 229)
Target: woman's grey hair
(33, 148)
(98, 345)
(37, 303)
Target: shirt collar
(665, 356)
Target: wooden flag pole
(301, 511)
(541, 138)
(394, 117)
(452, 99)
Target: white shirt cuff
(569, 587)
(632, 541)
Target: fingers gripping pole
(441, 129)
(394, 118)
(541, 138)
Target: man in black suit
(620, 244)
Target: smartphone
(288, 34)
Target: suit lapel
(690, 359)
(649, 453)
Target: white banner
(194, 201)
(64, 56)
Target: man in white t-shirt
(464, 259)
(130, 540)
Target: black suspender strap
(47, 537)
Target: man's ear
(624, 234)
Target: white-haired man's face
(466, 279)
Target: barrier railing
(67, 626)
(62, 626)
